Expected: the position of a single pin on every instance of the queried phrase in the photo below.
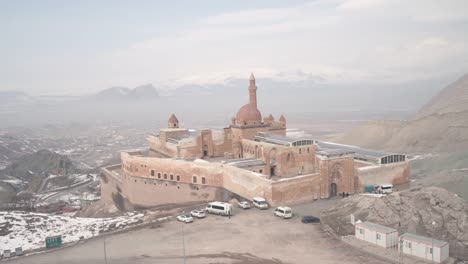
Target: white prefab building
(424, 247)
(376, 234)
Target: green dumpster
(53, 241)
(369, 188)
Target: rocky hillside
(29, 171)
(411, 211)
(440, 126)
(42, 162)
(452, 99)
(142, 92)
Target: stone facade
(251, 157)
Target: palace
(250, 157)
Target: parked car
(244, 205)
(198, 213)
(310, 219)
(260, 203)
(283, 212)
(385, 188)
(185, 218)
(219, 208)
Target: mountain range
(142, 92)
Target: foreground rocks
(412, 211)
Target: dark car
(310, 219)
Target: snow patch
(29, 230)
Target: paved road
(250, 236)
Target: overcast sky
(80, 47)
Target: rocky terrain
(42, 162)
(28, 172)
(440, 126)
(412, 211)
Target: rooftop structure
(425, 240)
(283, 140)
(334, 152)
(376, 227)
(369, 155)
(245, 162)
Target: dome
(249, 113)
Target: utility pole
(183, 241)
(432, 239)
(105, 251)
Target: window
(361, 231)
(378, 236)
(408, 244)
(159, 175)
(260, 171)
(165, 176)
(152, 173)
(178, 178)
(203, 180)
(194, 180)
(172, 177)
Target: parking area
(249, 236)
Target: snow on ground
(29, 230)
(14, 181)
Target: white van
(385, 188)
(283, 212)
(260, 203)
(219, 208)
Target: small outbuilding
(376, 234)
(424, 247)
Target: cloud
(361, 4)
(341, 40)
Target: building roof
(252, 77)
(249, 112)
(282, 118)
(283, 140)
(173, 119)
(334, 152)
(245, 162)
(424, 240)
(359, 152)
(376, 227)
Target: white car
(260, 203)
(185, 218)
(198, 213)
(283, 212)
(244, 205)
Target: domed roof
(249, 112)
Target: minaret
(252, 91)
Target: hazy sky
(77, 47)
